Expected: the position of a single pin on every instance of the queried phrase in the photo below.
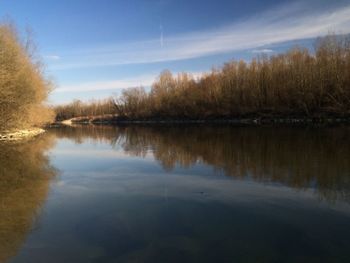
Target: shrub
(23, 87)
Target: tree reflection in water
(25, 174)
(297, 157)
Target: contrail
(284, 23)
(161, 35)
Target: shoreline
(20, 134)
(292, 121)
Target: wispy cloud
(52, 57)
(264, 50)
(144, 80)
(115, 85)
(285, 23)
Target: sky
(95, 48)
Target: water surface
(177, 194)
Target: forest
(297, 83)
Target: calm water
(177, 194)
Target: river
(176, 194)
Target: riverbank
(21, 134)
(113, 119)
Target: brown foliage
(293, 84)
(296, 83)
(23, 88)
(85, 109)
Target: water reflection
(177, 194)
(297, 157)
(25, 173)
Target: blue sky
(95, 48)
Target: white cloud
(118, 84)
(144, 80)
(285, 23)
(265, 50)
(52, 57)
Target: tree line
(296, 83)
(78, 108)
(23, 87)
